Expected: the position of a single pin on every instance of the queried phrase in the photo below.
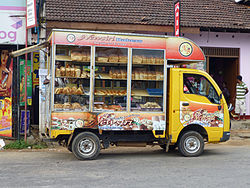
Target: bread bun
(62, 71)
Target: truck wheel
(86, 145)
(191, 144)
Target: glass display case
(120, 82)
(72, 78)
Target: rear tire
(86, 145)
(191, 144)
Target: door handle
(219, 107)
(185, 104)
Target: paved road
(220, 166)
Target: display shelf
(143, 93)
(86, 95)
(68, 58)
(71, 77)
(107, 77)
(124, 63)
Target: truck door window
(198, 84)
(147, 80)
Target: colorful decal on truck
(70, 121)
(204, 115)
(135, 121)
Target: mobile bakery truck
(123, 89)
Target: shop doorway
(224, 71)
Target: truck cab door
(200, 102)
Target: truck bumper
(225, 137)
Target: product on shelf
(137, 59)
(58, 72)
(123, 59)
(102, 59)
(69, 91)
(78, 73)
(150, 105)
(80, 55)
(113, 58)
(62, 71)
(111, 92)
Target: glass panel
(147, 80)
(110, 79)
(197, 84)
(72, 78)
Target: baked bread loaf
(137, 59)
(123, 59)
(58, 105)
(68, 72)
(67, 106)
(78, 73)
(76, 55)
(58, 72)
(76, 106)
(62, 71)
(113, 58)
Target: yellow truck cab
(197, 111)
(123, 89)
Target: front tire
(86, 145)
(191, 144)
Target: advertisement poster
(23, 121)
(6, 117)
(22, 83)
(6, 69)
(35, 68)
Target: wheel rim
(86, 146)
(192, 144)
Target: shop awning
(29, 49)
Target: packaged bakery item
(157, 60)
(84, 74)
(124, 74)
(119, 75)
(162, 61)
(62, 71)
(58, 72)
(67, 106)
(154, 75)
(123, 59)
(78, 73)
(68, 72)
(137, 75)
(76, 55)
(141, 75)
(115, 74)
(111, 73)
(133, 75)
(72, 72)
(102, 59)
(73, 90)
(87, 56)
(137, 59)
(152, 60)
(158, 75)
(113, 58)
(76, 106)
(79, 91)
(58, 105)
(144, 59)
(84, 56)
(66, 91)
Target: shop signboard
(12, 30)
(35, 68)
(22, 83)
